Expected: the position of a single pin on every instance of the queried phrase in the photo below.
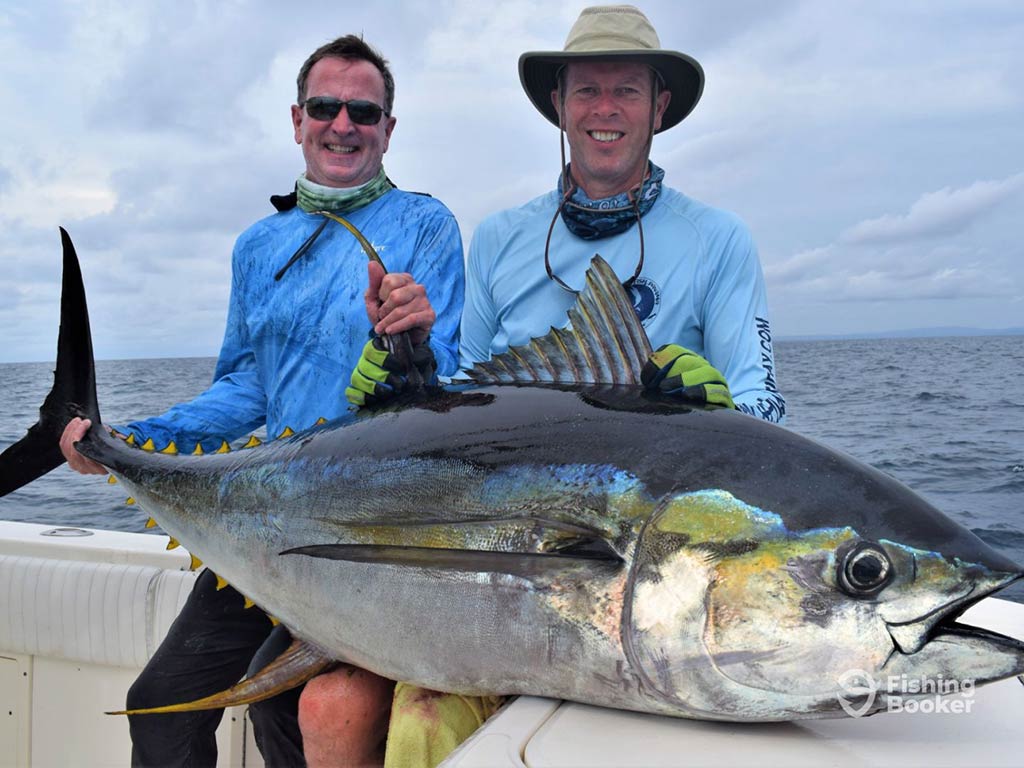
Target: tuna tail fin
(605, 343)
(74, 386)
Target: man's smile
(605, 135)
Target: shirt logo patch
(646, 298)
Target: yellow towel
(426, 726)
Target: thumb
(372, 297)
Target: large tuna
(581, 540)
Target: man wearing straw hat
(692, 270)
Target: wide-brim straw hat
(609, 33)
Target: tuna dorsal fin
(604, 343)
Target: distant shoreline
(913, 333)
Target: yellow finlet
(224, 447)
(288, 432)
(253, 442)
(171, 449)
(151, 523)
(149, 445)
(199, 450)
(111, 479)
(273, 620)
(172, 543)
(130, 439)
(320, 421)
(248, 603)
(130, 501)
(195, 564)
(221, 582)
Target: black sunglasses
(360, 111)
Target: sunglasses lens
(364, 112)
(323, 107)
(359, 111)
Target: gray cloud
(935, 214)
(851, 138)
(927, 254)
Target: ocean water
(943, 415)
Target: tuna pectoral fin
(296, 665)
(524, 564)
(74, 387)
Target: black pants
(210, 646)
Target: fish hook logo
(858, 692)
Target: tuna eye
(864, 570)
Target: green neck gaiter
(316, 197)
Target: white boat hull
(80, 615)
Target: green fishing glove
(681, 373)
(378, 376)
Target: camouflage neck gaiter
(314, 197)
(594, 219)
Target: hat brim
(683, 76)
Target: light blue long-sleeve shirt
(290, 345)
(701, 287)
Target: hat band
(606, 43)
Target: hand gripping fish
(552, 529)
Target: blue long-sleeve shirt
(701, 287)
(290, 345)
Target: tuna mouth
(909, 637)
(955, 651)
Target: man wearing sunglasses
(692, 271)
(297, 323)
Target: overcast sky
(876, 149)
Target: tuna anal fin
(524, 564)
(300, 662)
